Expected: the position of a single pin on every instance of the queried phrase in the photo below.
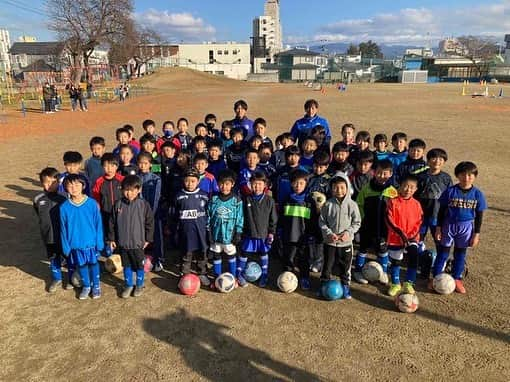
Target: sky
(408, 22)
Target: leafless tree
(85, 24)
(480, 50)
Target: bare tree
(86, 24)
(479, 47)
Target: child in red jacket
(403, 218)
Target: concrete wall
(263, 77)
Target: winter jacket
(339, 216)
(298, 215)
(260, 217)
(47, 206)
(131, 224)
(151, 189)
(408, 167)
(107, 192)
(93, 169)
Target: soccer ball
(332, 290)
(189, 284)
(252, 272)
(443, 283)
(287, 282)
(372, 271)
(147, 264)
(407, 303)
(225, 282)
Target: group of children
(233, 192)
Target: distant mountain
(389, 51)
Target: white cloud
(420, 25)
(176, 26)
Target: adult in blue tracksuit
(241, 121)
(303, 126)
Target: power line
(25, 8)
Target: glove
(236, 239)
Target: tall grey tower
(267, 35)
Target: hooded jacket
(338, 216)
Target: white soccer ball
(372, 271)
(407, 303)
(225, 282)
(443, 283)
(287, 282)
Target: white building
(229, 59)
(5, 58)
(267, 36)
(452, 46)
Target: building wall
(227, 53)
(5, 60)
(303, 74)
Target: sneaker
(138, 291)
(358, 276)
(263, 281)
(84, 294)
(96, 293)
(242, 281)
(69, 286)
(459, 287)
(408, 288)
(384, 280)
(126, 292)
(204, 280)
(304, 283)
(158, 267)
(347, 292)
(394, 289)
(315, 269)
(54, 285)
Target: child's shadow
(211, 352)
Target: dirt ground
(255, 334)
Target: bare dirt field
(255, 334)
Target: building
(507, 49)
(452, 46)
(422, 52)
(229, 59)
(27, 39)
(5, 59)
(455, 69)
(267, 40)
(24, 54)
(298, 65)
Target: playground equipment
(481, 91)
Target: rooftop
(37, 48)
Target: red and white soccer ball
(407, 303)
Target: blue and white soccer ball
(225, 282)
(252, 272)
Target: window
(235, 51)
(225, 52)
(220, 52)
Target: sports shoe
(126, 292)
(304, 283)
(358, 276)
(263, 281)
(96, 293)
(394, 289)
(204, 280)
(242, 281)
(84, 294)
(408, 288)
(384, 280)
(69, 286)
(315, 269)
(138, 291)
(459, 287)
(347, 292)
(54, 285)
(158, 267)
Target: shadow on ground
(211, 352)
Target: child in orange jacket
(404, 217)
